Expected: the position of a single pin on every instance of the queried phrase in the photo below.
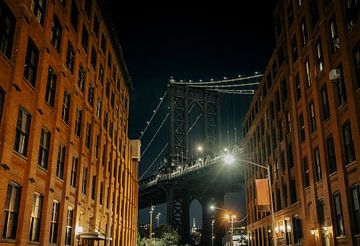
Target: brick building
(68, 170)
(304, 123)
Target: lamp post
(212, 232)
(151, 215)
(229, 159)
(158, 219)
(230, 217)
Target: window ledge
(20, 155)
(350, 164)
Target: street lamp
(229, 216)
(152, 208)
(229, 159)
(158, 218)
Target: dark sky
(189, 42)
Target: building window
(331, 156)
(93, 187)
(84, 181)
(308, 73)
(334, 37)
(293, 196)
(355, 194)
(101, 192)
(306, 172)
(54, 223)
(96, 147)
(73, 175)
(298, 87)
(66, 107)
(35, 219)
(356, 53)
(107, 90)
(56, 31)
(11, 211)
(78, 122)
(314, 12)
(284, 91)
(348, 143)
(98, 108)
(87, 7)
(91, 95)
(44, 148)
(312, 117)
(304, 35)
(324, 103)
(38, 9)
(93, 57)
(74, 16)
(339, 223)
(317, 165)
(297, 230)
(290, 156)
(61, 162)
(302, 128)
(319, 56)
(321, 211)
(88, 135)
(101, 74)
(103, 43)
(7, 30)
(2, 99)
(31, 62)
(96, 26)
(70, 57)
(294, 50)
(109, 60)
(81, 77)
(340, 87)
(290, 13)
(288, 122)
(85, 39)
(69, 226)
(51, 87)
(352, 12)
(105, 120)
(22, 132)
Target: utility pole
(151, 214)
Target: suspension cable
(197, 119)
(153, 162)
(157, 131)
(224, 86)
(216, 81)
(152, 117)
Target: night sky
(190, 42)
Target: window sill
(34, 243)
(350, 164)
(20, 155)
(30, 84)
(8, 241)
(333, 174)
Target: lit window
(11, 211)
(308, 73)
(304, 35)
(51, 87)
(319, 55)
(35, 219)
(339, 223)
(44, 148)
(317, 165)
(38, 9)
(22, 132)
(69, 226)
(334, 38)
(66, 107)
(312, 117)
(73, 175)
(54, 223)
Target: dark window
(81, 77)
(314, 12)
(103, 43)
(74, 16)
(11, 211)
(112, 100)
(101, 74)
(297, 230)
(284, 91)
(281, 56)
(2, 99)
(63, 2)
(73, 174)
(35, 218)
(312, 117)
(96, 147)
(109, 60)
(304, 35)
(7, 30)
(317, 165)
(85, 180)
(348, 143)
(319, 56)
(321, 211)
(69, 226)
(352, 12)
(331, 157)
(298, 87)
(306, 172)
(87, 7)
(56, 31)
(293, 196)
(51, 87)
(290, 156)
(101, 192)
(22, 132)
(355, 195)
(88, 135)
(340, 87)
(66, 107)
(294, 50)
(93, 188)
(31, 62)
(96, 26)
(54, 223)
(308, 73)
(70, 57)
(288, 122)
(339, 223)
(356, 53)
(85, 39)
(105, 120)
(91, 95)
(302, 135)
(93, 57)
(107, 90)
(38, 9)
(44, 148)
(334, 38)
(78, 122)
(290, 13)
(324, 103)
(61, 162)
(98, 108)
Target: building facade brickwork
(304, 124)
(66, 166)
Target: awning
(92, 235)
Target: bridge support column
(185, 229)
(170, 205)
(206, 222)
(220, 225)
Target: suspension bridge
(183, 147)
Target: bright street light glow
(212, 207)
(229, 159)
(200, 148)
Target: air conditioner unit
(334, 74)
(135, 149)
